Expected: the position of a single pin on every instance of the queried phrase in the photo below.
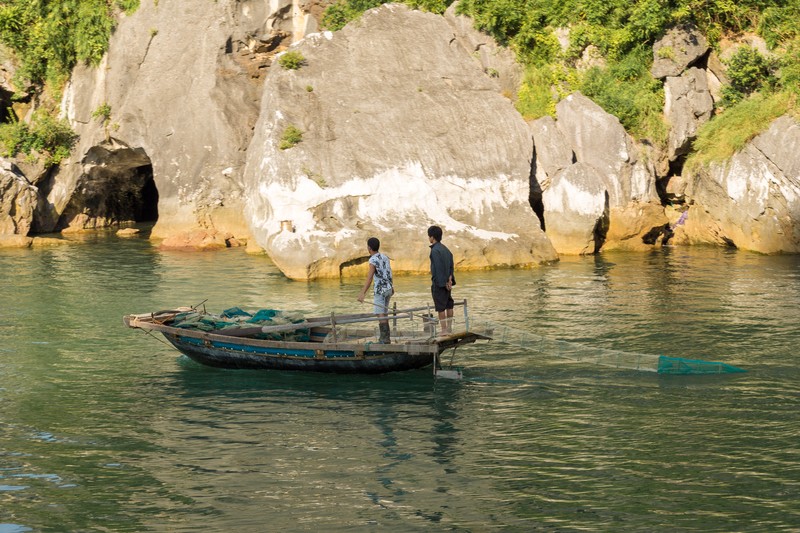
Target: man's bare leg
(446, 321)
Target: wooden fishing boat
(340, 344)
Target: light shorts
(381, 304)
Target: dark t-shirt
(441, 265)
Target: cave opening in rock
(117, 188)
(146, 201)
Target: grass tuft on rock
(719, 139)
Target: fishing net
(233, 319)
(600, 356)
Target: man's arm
(367, 283)
(438, 267)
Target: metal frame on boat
(334, 343)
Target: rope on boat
(574, 351)
(159, 339)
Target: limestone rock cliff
(402, 129)
(688, 105)
(405, 119)
(679, 49)
(180, 87)
(597, 192)
(17, 201)
(751, 201)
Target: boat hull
(340, 361)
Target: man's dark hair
(374, 244)
(435, 232)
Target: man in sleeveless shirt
(381, 272)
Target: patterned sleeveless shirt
(383, 274)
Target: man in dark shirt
(442, 279)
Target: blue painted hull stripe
(310, 354)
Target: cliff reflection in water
(106, 428)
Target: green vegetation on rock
(50, 37)
(720, 138)
(45, 135)
(622, 33)
(536, 98)
(748, 71)
(627, 90)
(291, 60)
(102, 113)
(338, 14)
(291, 136)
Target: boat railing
(407, 324)
(430, 318)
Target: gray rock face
(781, 145)
(577, 210)
(497, 61)
(753, 200)
(598, 139)
(183, 86)
(553, 151)
(589, 160)
(17, 201)
(688, 105)
(716, 76)
(590, 58)
(401, 130)
(681, 47)
(7, 71)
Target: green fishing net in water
(680, 365)
(574, 351)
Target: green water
(103, 428)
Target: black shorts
(441, 298)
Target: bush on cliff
(45, 135)
(748, 71)
(536, 97)
(627, 90)
(291, 60)
(291, 136)
(49, 38)
(790, 67)
(338, 14)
